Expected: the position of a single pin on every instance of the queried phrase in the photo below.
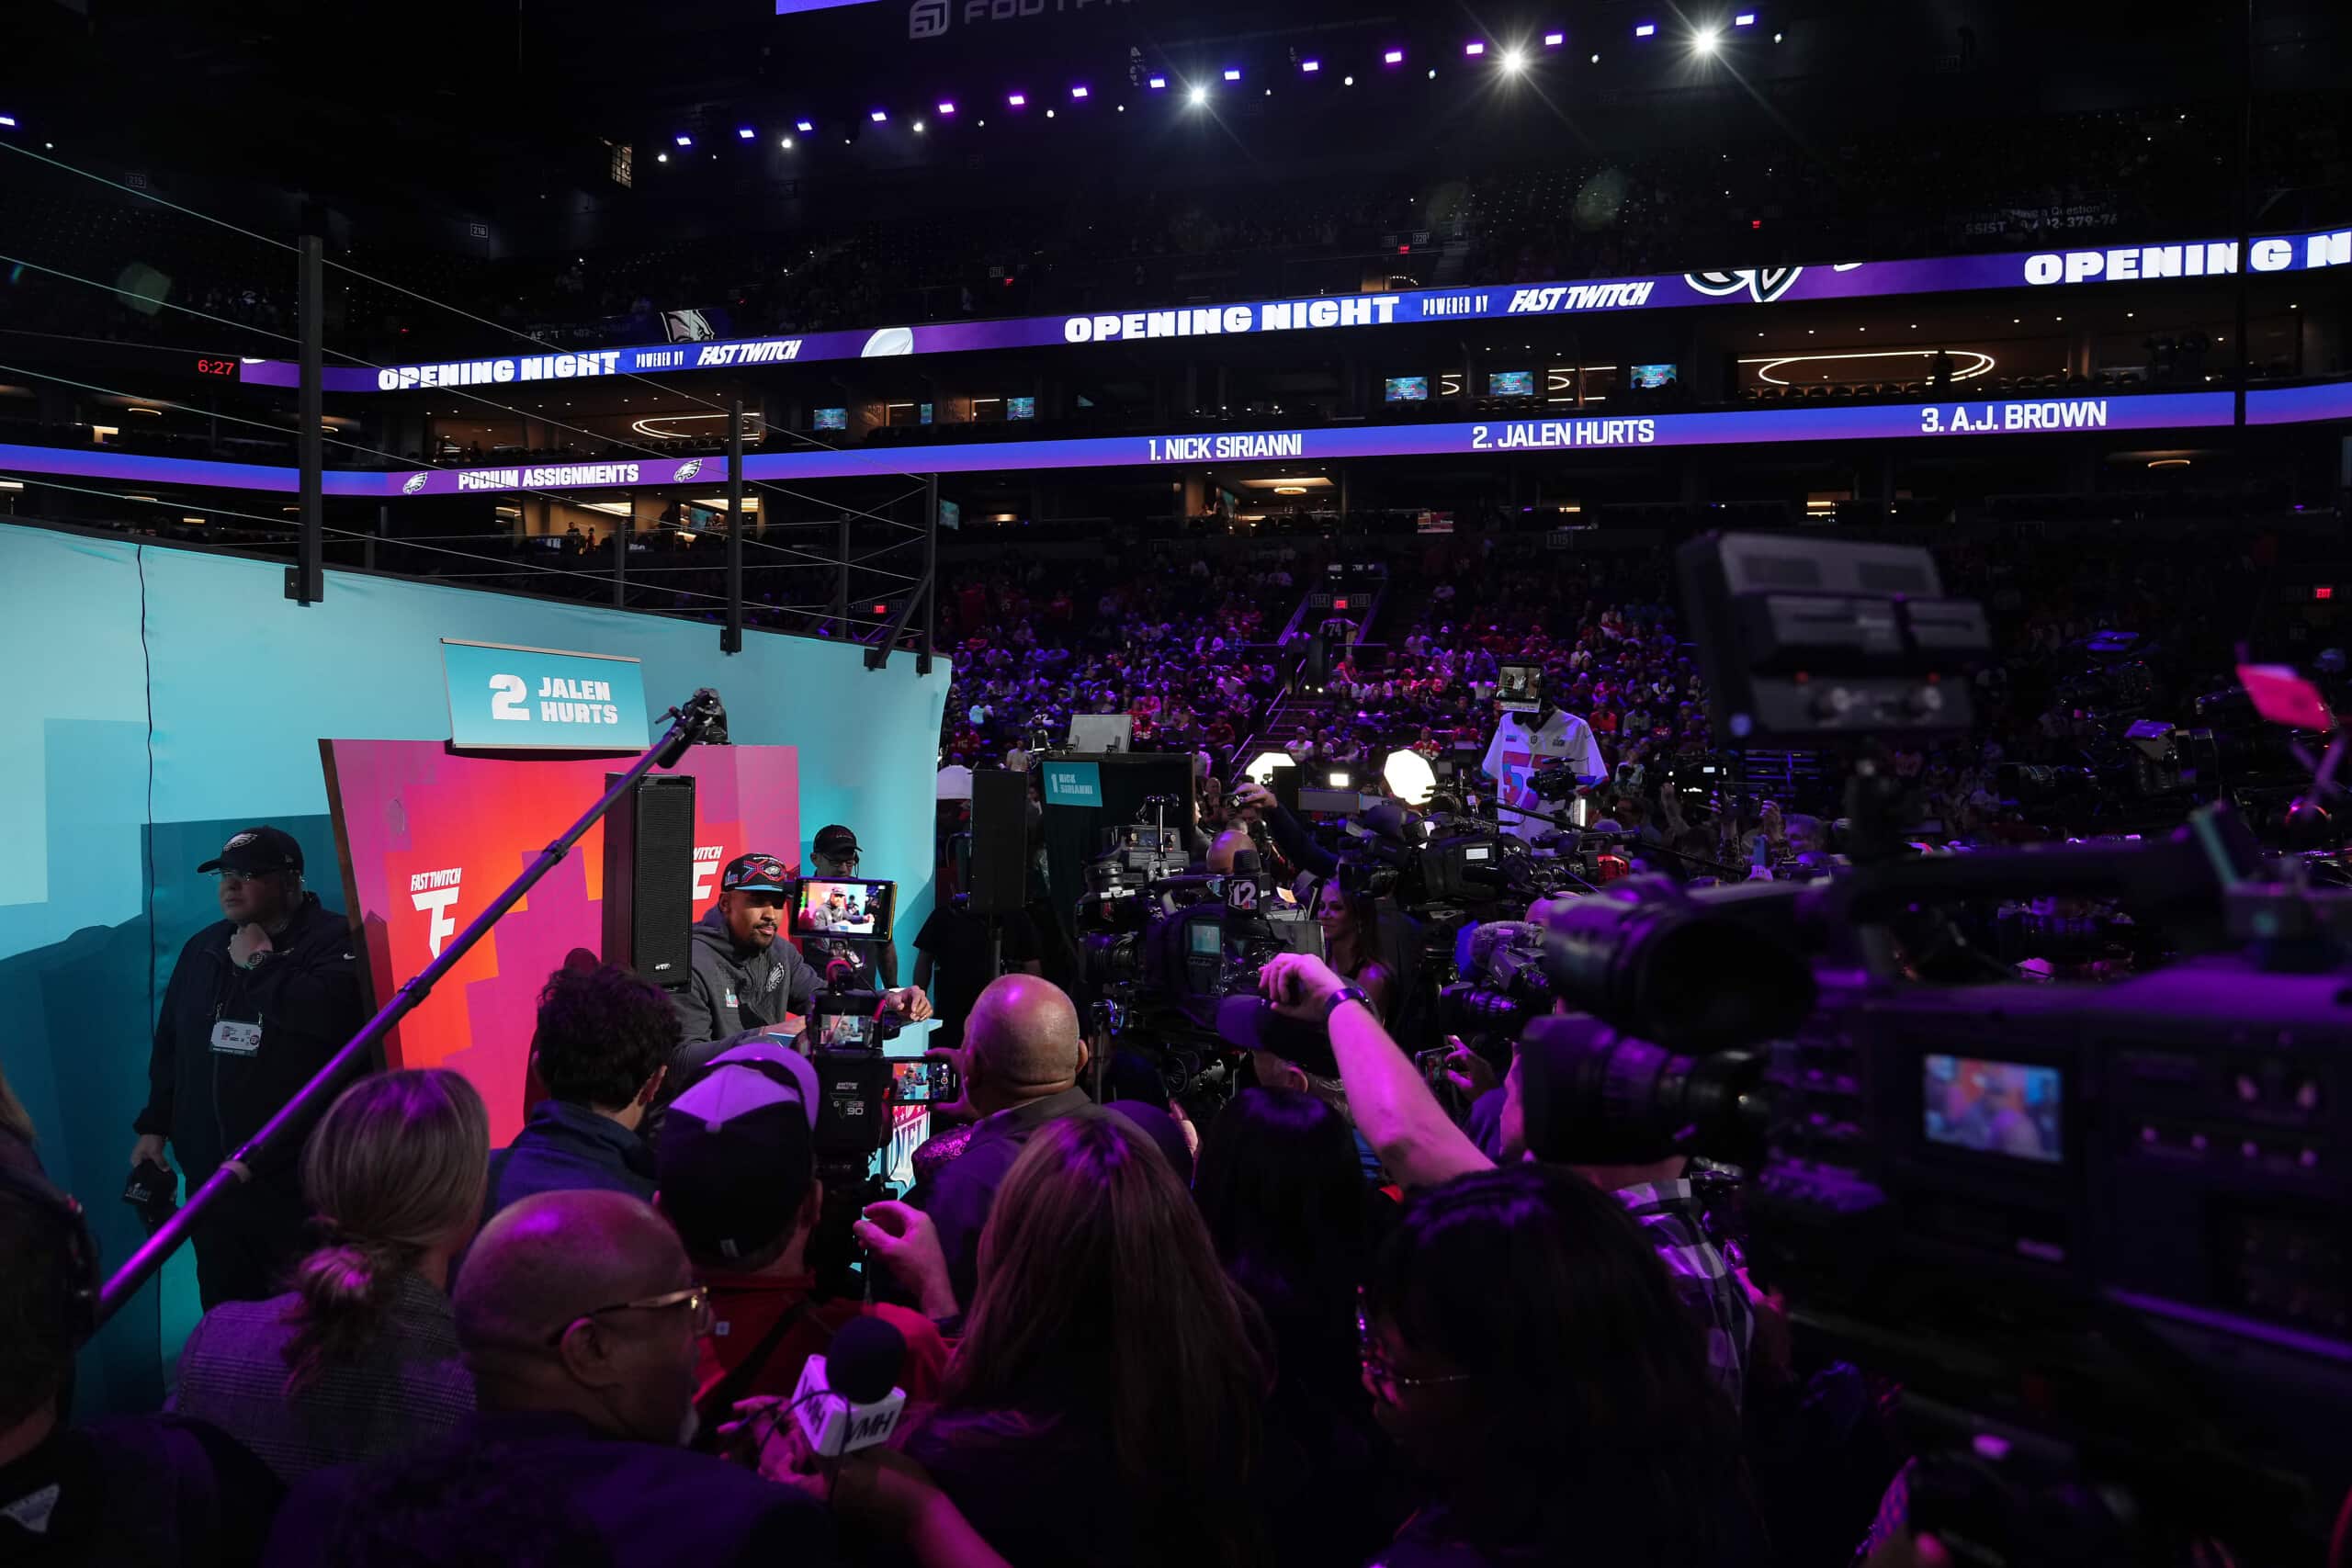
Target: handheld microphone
(848, 1399)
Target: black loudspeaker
(650, 878)
(999, 879)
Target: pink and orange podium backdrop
(430, 836)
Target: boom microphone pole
(700, 717)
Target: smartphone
(924, 1083)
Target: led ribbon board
(1950, 418)
(1759, 286)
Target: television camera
(2098, 1230)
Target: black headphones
(78, 1284)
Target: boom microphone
(849, 1398)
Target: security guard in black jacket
(257, 1005)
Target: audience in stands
(361, 1358)
(603, 1042)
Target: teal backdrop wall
(155, 700)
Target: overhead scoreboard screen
(1754, 285)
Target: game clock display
(225, 369)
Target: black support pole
(306, 585)
(730, 640)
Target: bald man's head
(544, 1318)
(1023, 1040)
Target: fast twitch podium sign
(511, 699)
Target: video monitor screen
(1406, 389)
(1205, 939)
(833, 419)
(1020, 407)
(1512, 384)
(1993, 1107)
(1650, 377)
(1518, 688)
(842, 907)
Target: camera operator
(256, 1004)
(1396, 1111)
(834, 854)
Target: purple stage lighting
(1473, 48)
(1017, 100)
(803, 126)
(1159, 83)
(1745, 20)
(1078, 92)
(1231, 75)
(946, 106)
(9, 120)
(685, 140)
(1645, 29)
(746, 132)
(1393, 57)
(1554, 41)
(1310, 66)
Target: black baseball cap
(737, 1152)
(755, 873)
(257, 849)
(834, 842)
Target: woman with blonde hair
(360, 1357)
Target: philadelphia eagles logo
(689, 468)
(415, 483)
(1763, 284)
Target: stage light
(878, 116)
(1703, 42)
(1393, 57)
(1200, 96)
(1433, 72)
(1596, 60)
(1262, 766)
(746, 132)
(946, 107)
(1410, 777)
(787, 144)
(1347, 80)
(1310, 67)
(1645, 29)
(1513, 61)
(917, 127)
(1078, 92)
(1745, 20)
(802, 126)
(1232, 74)
(685, 140)
(1157, 84)
(660, 157)
(1017, 100)
(9, 121)
(1554, 41)
(1474, 48)
(1050, 113)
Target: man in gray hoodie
(743, 975)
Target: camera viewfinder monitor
(1511, 384)
(844, 906)
(833, 419)
(1650, 377)
(1518, 688)
(2010, 1109)
(1406, 389)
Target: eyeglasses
(696, 1298)
(227, 875)
(1381, 1381)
